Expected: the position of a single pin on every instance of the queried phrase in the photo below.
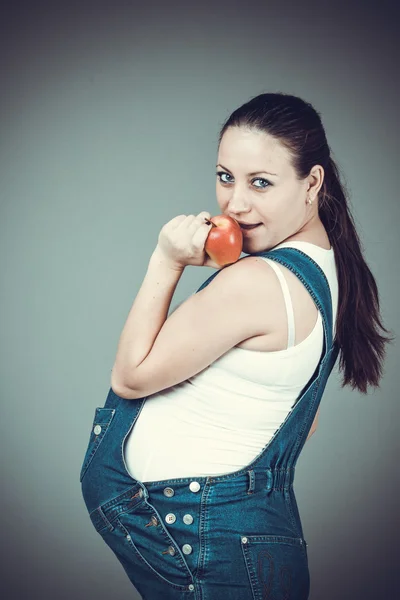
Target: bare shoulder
(247, 275)
(255, 291)
(304, 307)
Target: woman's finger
(200, 235)
(176, 221)
(186, 223)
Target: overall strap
(312, 277)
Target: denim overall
(229, 537)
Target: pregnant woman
(189, 471)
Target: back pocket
(277, 566)
(101, 423)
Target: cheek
(222, 197)
(285, 209)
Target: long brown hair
(297, 125)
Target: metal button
(154, 520)
(190, 587)
(97, 429)
(170, 518)
(171, 550)
(168, 491)
(186, 548)
(244, 540)
(194, 486)
(128, 537)
(188, 519)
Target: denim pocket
(277, 566)
(154, 572)
(146, 539)
(100, 425)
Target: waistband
(270, 480)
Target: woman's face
(256, 183)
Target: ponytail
(361, 345)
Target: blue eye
(265, 181)
(220, 173)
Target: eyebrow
(256, 172)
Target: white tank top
(219, 420)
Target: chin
(250, 246)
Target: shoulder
(248, 290)
(248, 275)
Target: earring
(309, 201)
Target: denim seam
(96, 441)
(114, 501)
(288, 503)
(202, 530)
(251, 487)
(300, 435)
(163, 579)
(250, 570)
(109, 525)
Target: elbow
(125, 392)
(122, 390)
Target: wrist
(160, 258)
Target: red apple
(225, 240)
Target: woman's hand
(181, 241)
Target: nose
(237, 203)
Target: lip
(248, 226)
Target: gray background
(110, 113)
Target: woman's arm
(156, 352)
(146, 317)
(241, 302)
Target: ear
(315, 181)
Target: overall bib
(229, 537)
